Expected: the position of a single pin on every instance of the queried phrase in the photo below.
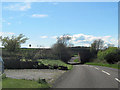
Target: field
(55, 62)
(105, 65)
(19, 83)
(49, 75)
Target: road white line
(96, 68)
(117, 79)
(105, 72)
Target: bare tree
(64, 39)
(60, 48)
(98, 44)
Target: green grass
(75, 55)
(55, 62)
(76, 60)
(105, 65)
(19, 83)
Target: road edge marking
(105, 72)
(96, 68)
(117, 79)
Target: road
(73, 58)
(87, 76)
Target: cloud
(86, 40)
(54, 37)
(9, 23)
(19, 7)
(39, 15)
(55, 3)
(44, 37)
(6, 34)
(4, 21)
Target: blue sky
(43, 22)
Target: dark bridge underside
(83, 52)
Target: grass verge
(105, 65)
(20, 83)
(76, 60)
(75, 55)
(55, 62)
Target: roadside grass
(105, 65)
(20, 83)
(75, 55)
(55, 62)
(76, 60)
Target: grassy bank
(55, 62)
(19, 83)
(76, 60)
(105, 65)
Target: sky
(43, 22)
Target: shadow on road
(73, 63)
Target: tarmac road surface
(88, 76)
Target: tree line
(104, 54)
(60, 50)
(13, 49)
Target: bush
(11, 63)
(29, 54)
(101, 55)
(111, 58)
(62, 68)
(55, 66)
(14, 62)
(41, 81)
(3, 76)
(62, 52)
(44, 54)
(111, 55)
(42, 66)
(28, 65)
